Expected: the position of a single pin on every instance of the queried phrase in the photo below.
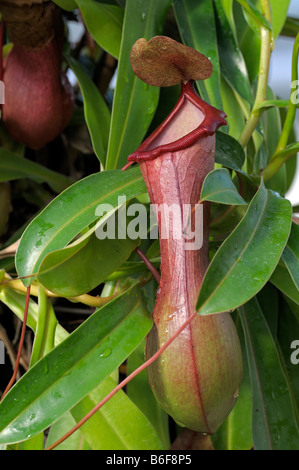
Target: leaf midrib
(240, 255)
(77, 215)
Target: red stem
(20, 345)
(148, 264)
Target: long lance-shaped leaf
(274, 423)
(75, 367)
(282, 279)
(71, 212)
(290, 254)
(236, 431)
(118, 425)
(14, 167)
(134, 102)
(247, 258)
(117, 412)
(193, 16)
(96, 112)
(232, 63)
(86, 263)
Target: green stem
(46, 326)
(282, 154)
(290, 117)
(278, 161)
(266, 48)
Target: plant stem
(20, 344)
(91, 301)
(266, 48)
(282, 154)
(45, 329)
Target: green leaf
(75, 367)
(229, 152)
(71, 212)
(196, 24)
(279, 11)
(247, 258)
(236, 431)
(141, 394)
(255, 15)
(288, 330)
(274, 422)
(218, 187)
(134, 102)
(119, 425)
(282, 279)
(232, 63)
(104, 22)
(68, 5)
(14, 167)
(290, 254)
(15, 301)
(231, 106)
(249, 42)
(96, 112)
(86, 263)
(61, 427)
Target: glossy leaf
(119, 425)
(232, 63)
(75, 442)
(192, 17)
(71, 212)
(134, 102)
(229, 152)
(96, 112)
(247, 258)
(282, 279)
(288, 330)
(290, 254)
(272, 129)
(274, 423)
(140, 392)
(268, 299)
(75, 367)
(249, 42)
(279, 11)
(218, 187)
(104, 22)
(14, 167)
(255, 15)
(236, 431)
(235, 116)
(86, 263)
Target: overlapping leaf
(134, 102)
(247, 258)
(75, 367)
(71, 212)
(274, 421)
